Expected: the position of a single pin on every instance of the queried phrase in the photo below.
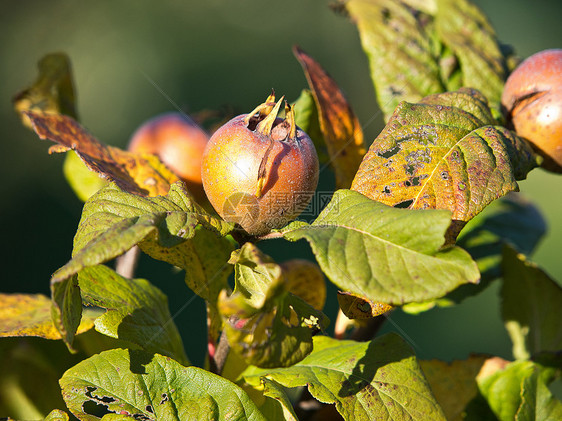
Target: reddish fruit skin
(230, 169)
(532, 97)
(177, 141)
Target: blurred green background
(130, 56)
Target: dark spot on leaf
(386, 190)
(164, 398)
(409, 169)
(404, 204)
(149, 409)
(385, 15)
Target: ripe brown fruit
(532, 99)
(259, 170)
(179, 143)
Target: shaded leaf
(464, 29)
(66, 308)
(171, 228)
(81, 179)
(305, 280)
(339, 126)
(271, 400)
(398, 42)
(52, 92)
(141, 174)
(137, 311)
(355, 306)
(306, 117)
(438, 156)
(149, 387)
(520, 392)
(363, 379)
(386, 254)
(30, 315)
(509, 220)
(453, 384)
(531, 306)
(265, 324)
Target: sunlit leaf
(57, 415)
(135, 173)
(387, 254)
(339, 126)
(82, 180)
(453, 384)
(52, 92)
(520, 392)
(417, 48)
(30, 315)
(146, 386)
(137, 311)
(443, 153)
(531, 306)
(398, 43)
(464, 29)
(271, 400)
(364, 379)
(305, 280)
(265, 324)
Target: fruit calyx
(263, 119)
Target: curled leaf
(355, 306)
(339, 126)
(144, 175)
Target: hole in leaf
(404, 204)
(391, 152)
(93, 408)
(149, 409)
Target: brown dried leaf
(339, 125)
(355, 306)
(140, 174)
(30, 315)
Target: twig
(126, 264)
(217, 362)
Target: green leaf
(52, 91)
(171, 228)
(443, 153)
(147, 386)
(271, 400)
(364, 379)
(509, 220)
(531, 306)
(386, 254)
(137, 311)
(398, 43)
(453, 383)
(83, 181)
(520, 392)
(66, 308)
(418, 48)
(30, 315)
(265, 324)
(57, 415)
(464, 29)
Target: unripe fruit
(532, 99)
(260, 171)
(179, 143)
